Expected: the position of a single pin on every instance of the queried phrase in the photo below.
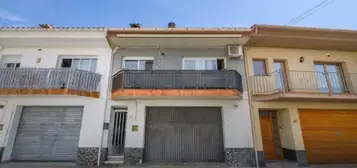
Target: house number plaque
(134, 128)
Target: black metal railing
(177, 79)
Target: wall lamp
(301, 59)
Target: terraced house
(303, 85)
(53, 92)
(181, 93)
(127, 95)
(162, 95)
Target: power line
(307, 11)
(310, 11)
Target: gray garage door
(48, 134)
(183, 134)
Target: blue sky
(185, 13)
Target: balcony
(304, 86)
(176, 83)
(49, 81)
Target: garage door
(330, 136)
(48, 134)
(183, 134)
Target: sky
(185, 13)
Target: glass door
(280, 75)
(321, 78)
(329, 78)
(200, 64)
(334, 75)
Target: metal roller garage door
(48, 134)
(330, 136)
(183, 134)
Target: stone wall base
(240, 157)
(261, 158)
(2, 149)
(237, 157)
(87, 156)
(298, 156)
(133, 156)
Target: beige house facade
(302, 88)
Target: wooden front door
(270, 136)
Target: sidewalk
(191, 165)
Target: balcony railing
(304, 82)
(177, 79)
(47, 80)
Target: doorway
(270, 135)
(117, 132)
(280, 69)
(329, 77)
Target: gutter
(114, 50)
(179, 35)
(246, 67)
(65, 29)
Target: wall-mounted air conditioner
(235, 51)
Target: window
(203, 64)
(329, 77)
(136, 63)
(86, 64)
(11, 61)
(259, 67)
(12, 65)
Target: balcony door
(280, 75)
(138, 63)
(329, 78)
(11, 61)
(85, 64)
(203, 64)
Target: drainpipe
(245, 56)
(9, 124)
(115, 49)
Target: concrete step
(115, 157)
(113, 162)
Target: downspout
(245, 56)
(7, 132)
(114, 50)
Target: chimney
(46, 26)
(171, 25)
(135, 25)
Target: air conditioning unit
(235, 51)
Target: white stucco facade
(235, 116)
(39, 54)
(46, 50)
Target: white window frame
(8, 59)
(203, 58)
(135, 58)
(61, 57)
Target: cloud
(10, 16)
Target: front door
(270, 136)
(117, 132)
